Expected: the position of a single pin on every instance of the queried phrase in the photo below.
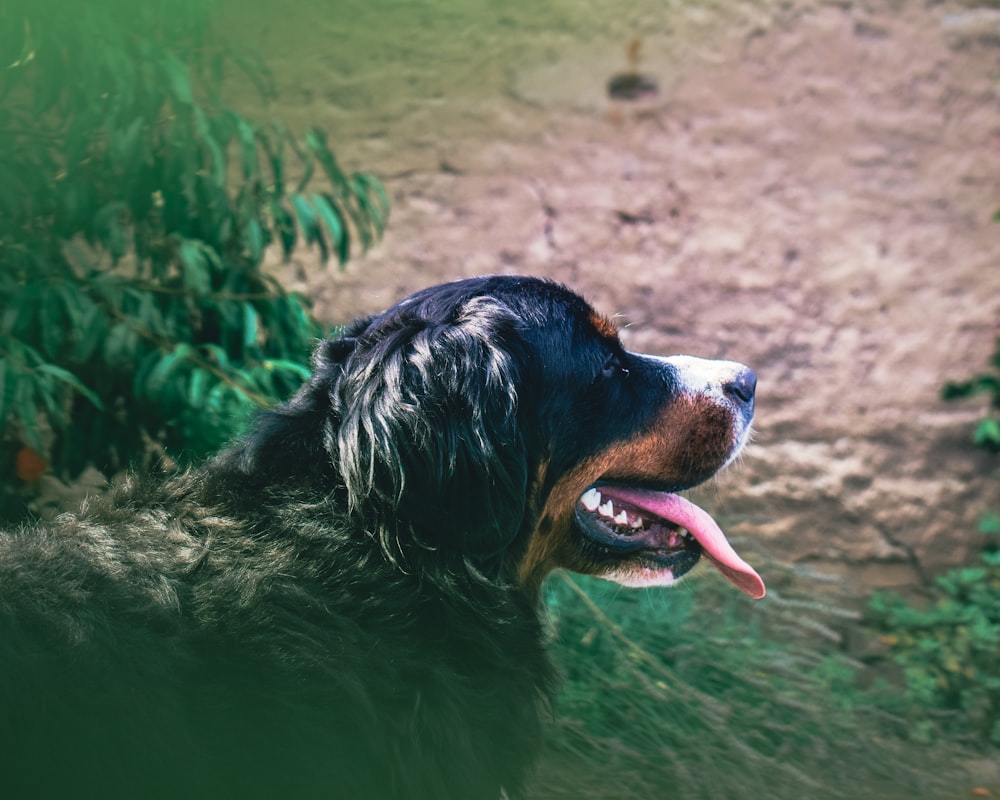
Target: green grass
(697, 692)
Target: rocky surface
(810, 192)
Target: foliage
(135, 213)
(696, 692)
(987, 432)
(950, 652)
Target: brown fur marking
(604, 325)
(687, 443)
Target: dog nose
(742, 387)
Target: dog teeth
(591, 499)
(594, 502)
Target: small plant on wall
(950, 650)
(135, 213)
(987, 433)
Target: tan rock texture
(810, 193)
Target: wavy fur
(336, 605)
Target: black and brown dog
(344, 604)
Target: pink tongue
(701, 525)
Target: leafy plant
(987, 433)
(950, 651)
(135, 214)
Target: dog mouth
(663, 532)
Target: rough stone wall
(811, 193)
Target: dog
(345, 602)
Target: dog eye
(613, 367)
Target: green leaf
(987, 433)
(109, 225)
(285, 226)
(146, 312)
(330, 216)
(308, 163)
(316, 144)
(125, 148)
(196, 388)
(300, 371)
(180, 81)
(217, 155)
(251, 328)
(157, 378)
(990, 523)
(248, 142)
(363, 222)
(8, 322)
(72, 380)
(73, 302)
(122, 344)
(217, 353)
(275, 155)
(365, 188)
(194, 266)
(957, 390)
(217, 396)
(90, 328)
(254, 239)
(306, 216)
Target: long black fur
(328, 608)
(331, 607)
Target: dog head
(501, 420)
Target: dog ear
(429, 433)
(332, 354)
(293, 438)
